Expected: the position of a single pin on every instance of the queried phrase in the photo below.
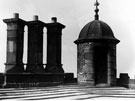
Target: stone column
(54, 32)
(15, 38)
(35, 46)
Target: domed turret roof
(96, 30)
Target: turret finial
(96, 10)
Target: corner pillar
(15, 38)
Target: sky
(118, 14)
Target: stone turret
(96, 56)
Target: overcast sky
(118, 14)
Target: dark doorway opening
(100, 64)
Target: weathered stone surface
(85, 70)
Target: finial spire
(96, 10)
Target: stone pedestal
(54, 32)
(35, 46)
(15, 37)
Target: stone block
(69, 78)
(123, 80)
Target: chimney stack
(16, 15)
(54, 19)
(35, 17)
